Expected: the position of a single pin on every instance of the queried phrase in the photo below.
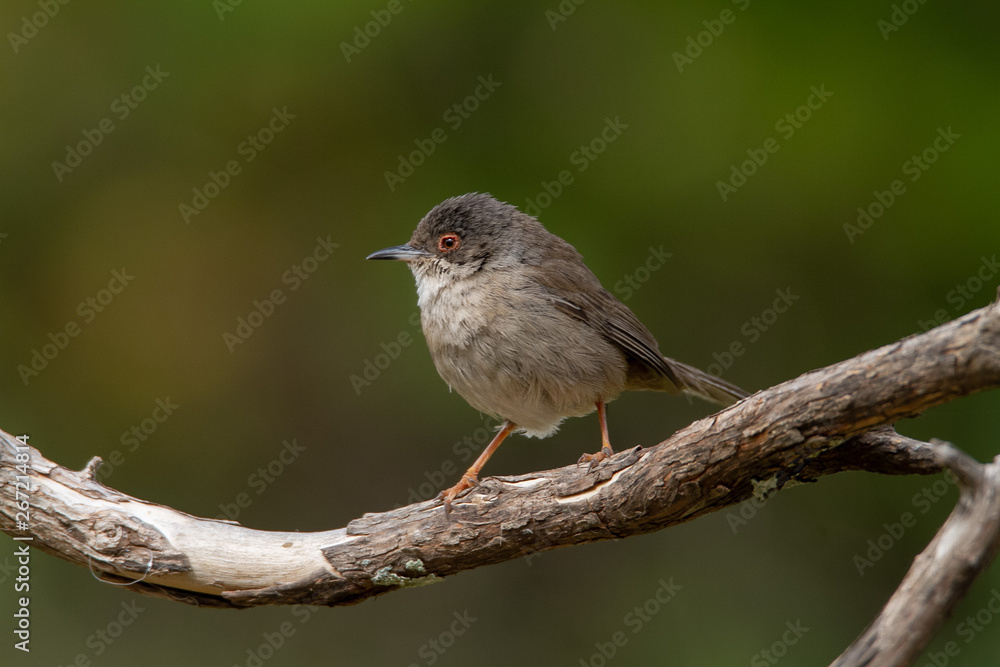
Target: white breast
(452, 311)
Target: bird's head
(464, 235)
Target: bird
(519, 326)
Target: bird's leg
(471, 476)
(606, 450)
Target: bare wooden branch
(942, 573)
(822, 422)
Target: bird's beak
(405, 253)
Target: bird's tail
(708, 387)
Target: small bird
(524, 331)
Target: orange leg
(606, 450)
(471, 476)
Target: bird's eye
(448, 242)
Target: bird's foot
(605, 453)
(449, 495)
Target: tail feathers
(708, 387)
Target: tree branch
(822, 422)
(942, 573)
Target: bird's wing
(575, 291)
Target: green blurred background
(367, 446)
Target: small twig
(90, 470)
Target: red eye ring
(449, 242)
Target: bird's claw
(449, 495)
(593, 459)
